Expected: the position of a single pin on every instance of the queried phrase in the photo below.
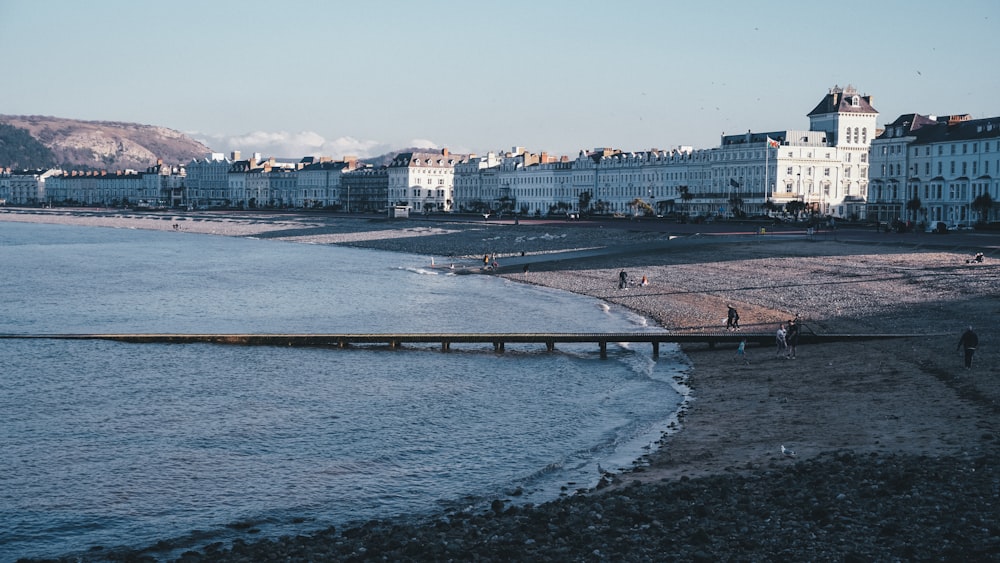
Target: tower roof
(844, 100)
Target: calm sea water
(112, 444)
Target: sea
(107, 445)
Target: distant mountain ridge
(91, 145)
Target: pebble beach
(895, 443)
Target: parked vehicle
(938, 227)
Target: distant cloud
(423, 144)
(282, 144)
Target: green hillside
(20, 151)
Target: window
(855, 135)
(826, 171)
(788, 171)
(864, 157)
(864, 135)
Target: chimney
(235, 155)
(444, 151)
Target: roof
(954, 130)
(843, 100)
(441, 159)
(326, 165)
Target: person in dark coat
(792, 337)
(732, 319)
(968, 342)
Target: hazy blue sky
(303, 77)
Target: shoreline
(844, 407)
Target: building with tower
(822, 171)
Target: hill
(33, 141)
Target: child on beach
(741, 352)
(779, 340)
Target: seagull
(787, 451)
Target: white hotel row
(918, 167)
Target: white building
(423, 181)
(823, 170)
(475, 182)
(158, 186)
(318, 183)
(936, 168)
(207, 181)
(255, 183)
(4, 185)
(26, 187)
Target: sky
(335, 78)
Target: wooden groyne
(445, 340)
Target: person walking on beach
(792, 338)
(741, 352)
(969, 342)
(622, 280)
(732, 319)
(779, 340)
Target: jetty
(498, 341)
